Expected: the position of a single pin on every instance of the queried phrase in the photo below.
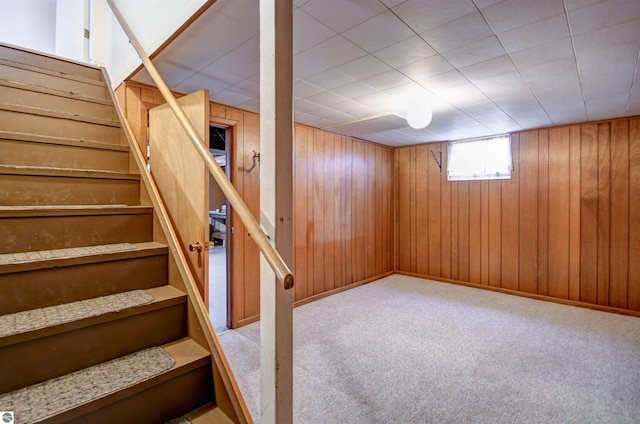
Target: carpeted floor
(37, 402)
(407, 350)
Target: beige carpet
(408, 350)
(50, 316)
(40, 255)
(37, 402)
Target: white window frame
(486, 158)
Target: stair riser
(26, 153)
(16, 55)
(16, 96)
(26, 123)
(158, 404)
(84, 347)
(30, 234)
(35, 190)
(22, 291)
(54, 82)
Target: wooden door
(182, 178)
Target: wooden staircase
(69, 194)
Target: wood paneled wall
(343, 194)
(567, 224)
(343, 199)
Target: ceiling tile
(426, 68)
(304, 89)
(458, 33)
(480, 51)
(236, 64)
(230, 98)
(542, 54)
(488, 68)
(386, 80)
(610, 107)
(447, 79)
(308, 32)
(247, 12)
(603, 14)
(552, 75)
(578, 4)
(422, 16)
(354, 89)
(340, 15)
(405, 52)
(227, 33)
(604, 88)
(504, 85)
(616, 61)
(330, 79)
(348, 106)
(305, 106)
(463, 94)
(247, 88)
(327, 98)
(378, 32)
(536, 34)
(329, 54)
(511, 14)
(361, 68)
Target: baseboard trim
(568, 302)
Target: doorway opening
(218, 234)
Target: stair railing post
(276, 207)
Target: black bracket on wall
(438, 159)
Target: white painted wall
(29, 23)
(70, 24)
(152, 21)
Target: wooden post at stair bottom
(276, 207)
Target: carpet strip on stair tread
(46, 399)
(35, 319)
(20, 257)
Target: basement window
(487, 158)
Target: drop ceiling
(486, 66)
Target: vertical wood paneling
(484, 232)
(318, 211)
(494, 246)
(575, 192)
(445, 216)
(311, 228)
(589, 214)
(619, 268)
(566, 225)
(633, 293)
(361, 181)
(528, 202)
(251, 195)
(434, 235)
(336, 203)
(423, 250)
(300, 213)
(543, 212)
(370, 214)
(348, 232)
(509, 202)
(604, 208)
(327, 212)
(463, 231)
(474, 232)
(558, 234)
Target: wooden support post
(276, 207)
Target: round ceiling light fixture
(419, 114)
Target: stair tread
(46, 71)
(206, 414)
(61, 394)
(60, 318)
(47, 90)
(38, 138)
(183, 355)
(28, 261)
(58, 210)
(65, 172)
(57, 114)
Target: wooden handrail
(280, 268)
